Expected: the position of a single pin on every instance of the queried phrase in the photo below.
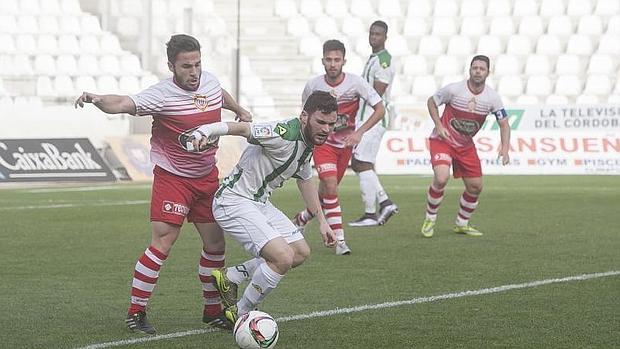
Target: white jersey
(277, 152)
(379, 67)
(465, 111)
(176, 114)
(349, 93)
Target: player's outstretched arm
(110, 104)
(232, 105)
(504, 133)
(200, 137)
(310, 196)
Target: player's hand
(329, 238)
(199, 139)
(86, 98)
(442, 132)
(243, 115)
(503, 153)
(353, 139)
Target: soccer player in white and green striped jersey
(277, 151)
(379, 73)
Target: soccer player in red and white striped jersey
(332, 158)
(184, 180)
(451, 144)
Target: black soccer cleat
(138, 323)
(218, 321)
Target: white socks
(263, 282)
(244, 271)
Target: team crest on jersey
(333, 93)
(200, 101)
(465, 126)
(262, 131)
(471, 105)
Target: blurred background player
(332, 158)
(278, 150)
(468, 103)
(379, 73)
(184, 182)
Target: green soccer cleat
(428, 228)
(231, 314)
(226, 288)
(467, 230)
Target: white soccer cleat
(342, 249)
(387, 212)
(367, 220)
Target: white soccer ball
(256, 330)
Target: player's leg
(467, 166)
(213, 247)
(441, 160)
(363, 163)
(169, 205)
(245, 222)
(331, 202)
(367, 179)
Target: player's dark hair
(482, 58)
(381, 24)
(334, 45)
(322, 101)
(181, 43)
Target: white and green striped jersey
(277, 152)
(379, 67)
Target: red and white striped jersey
(465, 111)
(348, 94)
(176, 114)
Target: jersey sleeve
(443, 95)
(306, 93)
(149, 101)
(367, 92)
(497, 107)
(384, 75)
(266, 135)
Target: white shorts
(252, 223)
(368, 148)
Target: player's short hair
(482, 58)
(322, 101)
(181, 43)
(334, 45)
(381, 24)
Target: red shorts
(331, 161)
(173, 197)
(464, 161)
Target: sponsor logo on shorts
(442, 157)
(327, 168)
(261, 131)
(175, 208)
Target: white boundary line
(337, 311)
(81, 204)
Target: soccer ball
(256, 330)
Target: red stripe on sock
(136, 292)
(157, 253)
(149, 263)
(149, 280)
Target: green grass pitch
(67, 257)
